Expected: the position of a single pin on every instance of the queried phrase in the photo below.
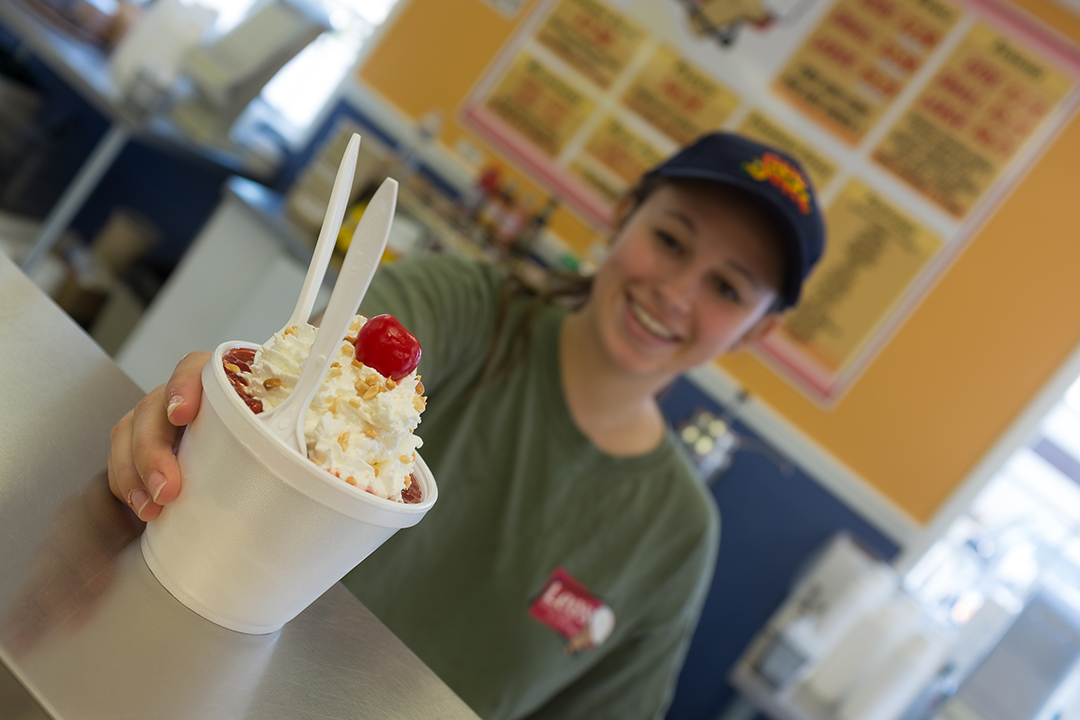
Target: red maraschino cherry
(384, 345)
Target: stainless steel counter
(86, 628)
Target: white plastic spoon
(286, 421)
(324, 247)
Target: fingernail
(139, 500)
(155, 482)
(174, 402)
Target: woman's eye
(668, 241)
(726, 290)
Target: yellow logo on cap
(784, 176)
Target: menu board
(860, 57)
(912, 118)
(979, 109)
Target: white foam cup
(258, 531)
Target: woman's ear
(759, 330)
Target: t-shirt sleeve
(448, 302)
(637, 678)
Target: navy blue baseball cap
(772, 176)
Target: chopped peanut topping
(291, 330)
(271, 383)
(419, 402)
(354, 402)
(390, 384)
(357, 364)
(404, 458)
(350, 340)
(371, 434)
(408, 480)
(351, 480)
(335, 365)
(372, 379)
(232, 368)
(419, 386)
(372, 392)
(361, 387)
(343, 440)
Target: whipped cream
(360, 424)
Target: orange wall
(966, 363)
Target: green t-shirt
(522, 492)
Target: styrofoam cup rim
(294, 468)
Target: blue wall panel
(772, 523)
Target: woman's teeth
(650, 323)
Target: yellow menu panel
(679, 99)
(874, 253)
(539, 104)
(622, 151)
(861, 55)
(592, 38)
(972, 118)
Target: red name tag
(565, 605)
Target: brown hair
(558, 287)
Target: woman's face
(690, 275)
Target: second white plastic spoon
(286, 421)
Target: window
(1024, 524)
(302, 88)
(306, 83)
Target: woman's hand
(143, 472)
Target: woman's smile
(654, 328)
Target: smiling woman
(565, 506)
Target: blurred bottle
(516, 218)
(493, 214)
(472, 201)
(530, 234)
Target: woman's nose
(679, 289)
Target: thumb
(183, 392)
